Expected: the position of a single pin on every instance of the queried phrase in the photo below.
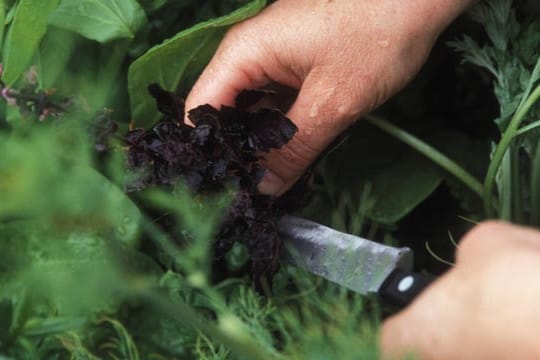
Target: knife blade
(359, 264)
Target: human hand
(486, 307)
(345, 57)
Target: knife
(359, 264)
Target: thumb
(222, 80)
(239, 64)
(321, 114)
(436, 321)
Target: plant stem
(528, 128)
(504, 202)
(503, 145)
(428, 151)
(518, 214)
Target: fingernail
(271, 184)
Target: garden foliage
(88, 271)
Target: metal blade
(359, 264)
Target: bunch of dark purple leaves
(222, 150)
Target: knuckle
(239, 39)
(297, 156)
(291, 160)
(480, 238)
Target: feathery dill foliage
(86, 272)
(511, 57)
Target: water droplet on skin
(384, 43)
(314, 111)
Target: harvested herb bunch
(221, 150)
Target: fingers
(223, 79)
(321, 112)
(241, 62)
(430, 327)
(491, 238)
(470, 312)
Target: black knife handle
(401, 287)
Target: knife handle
(401, 287)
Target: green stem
(501, 149)
(428, 151)
(504, 203)
(518, 215)
(528, 128)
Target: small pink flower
(7, 96)
(46, 112)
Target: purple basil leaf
(270, 129)
(249, 98)
(204, 115)
(168, 103)
(220, 151)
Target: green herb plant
(86, 273)
(509, 189)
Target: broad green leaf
(398, 177)
(153, 5)
(53, 56)
(28, 28)
(178, 58)
(2, 21)
(401, 187)
(12, 5)
(100, 20)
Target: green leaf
(2, 21)
(401, 187)
(398, 177)
(54, 54)
(12, 5)
(100, 20)
(178, 58)
(24, 35)
(499, 21)
(153, 5)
